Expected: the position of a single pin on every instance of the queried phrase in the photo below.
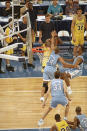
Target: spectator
(71, 8)
(1, 72)
(60, 124)
(7, 11)
(85, 11)
(55, 9)
(80, 120)
(9, 40)
(22, 26)
(25, 8)
(22, 1)
(77, 28)
(45, 29)
(33, 17)
(75, 1)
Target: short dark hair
(47, 15)
(27, 1)
(79, 8)
(57, 74)
(8, 1)
(10, 19)
(78, 109)
(57, 117)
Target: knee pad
(45, 85)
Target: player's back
(57, 89)
(83, 121)
(62, 126)
(53, 59)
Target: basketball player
(77, 28)
(60, 124)
(49, 46)
(8, 41)
(50, 68)
(80, 120)
(72, 73)
(59, 96)
(47, 51)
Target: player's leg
(44, 90)
(53, 105)
(66, 77)
(8, 66)
(65, 102)
(66, 111)
(41, 121)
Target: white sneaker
(40, 122)
(65, 118)
(69, 90)
(42, 99)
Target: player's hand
(77, 66)
(69, 99)
(40, 41)
(14, 38)
(74, 39)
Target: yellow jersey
(62, 126)
(46, 55)
(79, 32)
(79, 26)
(8, 32)
(8, 40)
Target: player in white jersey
(72, 73)
(59, 96)
(80, 120)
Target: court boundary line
(26, 128)
(38, 91)
(32, 77)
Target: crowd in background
(46, 27)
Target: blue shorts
(59, 100)
(48, 73)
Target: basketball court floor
(20, 105)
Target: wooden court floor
(20, 105)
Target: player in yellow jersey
(60, 125)
(77, 28)
(46, 54)
(8, 41)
